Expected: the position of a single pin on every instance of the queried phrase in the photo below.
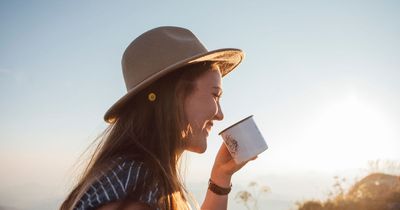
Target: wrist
(221, 179)
(213, 187)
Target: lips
(209, 126)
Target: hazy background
(321, 78)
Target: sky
(320, 77)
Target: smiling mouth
(209, 126)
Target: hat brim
(228, 58)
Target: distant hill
(375, 186)
(376, 191)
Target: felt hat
(160, 51)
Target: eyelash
(217, 96)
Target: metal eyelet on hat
(152, 97)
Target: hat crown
(160, 51)
(156, 50)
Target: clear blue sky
(321, 77)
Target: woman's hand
(221, 174)
(224, 167)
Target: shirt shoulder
(114, 184)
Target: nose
(219, 116)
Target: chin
(198, 148)
(197, 144)
(201, 150)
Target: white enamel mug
(244, 140)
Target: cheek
(192, 110)
(199, 110)
(209, 109)
(213, 108)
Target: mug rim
(235, 124)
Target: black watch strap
(217, 189)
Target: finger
(238, 166)
(223, 153)
(254, 157)
(224, 150)
(245, 162)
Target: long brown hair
(149, 131)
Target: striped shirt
(113, 185)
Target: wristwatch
(217, 189)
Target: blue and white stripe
(113, 185)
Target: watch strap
(217, 189)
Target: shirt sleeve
(138, 182)
(113, 185)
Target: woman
(174, 86)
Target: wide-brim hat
(160, 51)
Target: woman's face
(202, 108)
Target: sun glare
(347, 134)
